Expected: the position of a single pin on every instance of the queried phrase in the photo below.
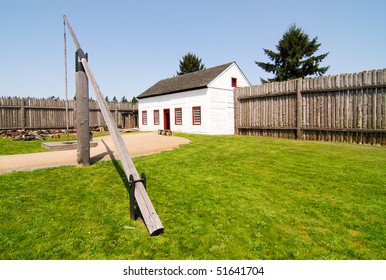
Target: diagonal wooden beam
(149, 215)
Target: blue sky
(133, 44)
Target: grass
(220, 197)
(10, 147)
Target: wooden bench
(165, 132)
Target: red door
(166, 119)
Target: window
(234, 82)
(156, 117)
(197, 115)
(178, 116)
(144, 117)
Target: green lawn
(10, 147)
(219, 197)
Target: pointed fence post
(299, 110)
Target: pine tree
(190, 63)
(124, 100)
(294, 57)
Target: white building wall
(184, 100)
(223, 81)
(221, 96)
(221, 108)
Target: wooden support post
(82, 115)
(299, 110)
(22, 114)
(116, 114)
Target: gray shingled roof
(190, 81)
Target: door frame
(167, 119)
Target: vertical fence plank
(299, 108)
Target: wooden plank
(318, 110)
(313, 99)
(365, 101)
(360, 102)
(287, 113)
(281, 111)
(383, 113)
(355, 103)
(299, 112)
(379, 100)
(374, 100)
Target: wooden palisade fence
(35, 113)
(344, 108)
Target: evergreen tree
(115, 100)
(124, 100)
(134, 100)
(294, 57)
(190, 63)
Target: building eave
(172, 92)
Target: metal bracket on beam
(133, 201)
(79, 54)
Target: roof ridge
(194, 80)
(196, 72)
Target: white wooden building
(200, 102)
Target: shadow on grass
(117, 166)
(120, 170)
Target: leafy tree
(190, 63)
(107, 98)
(294, 57)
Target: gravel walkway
(138, 144)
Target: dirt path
(137, 143)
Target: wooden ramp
(149, 215)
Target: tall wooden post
(237, 110)
(299, 110)
(82, 114)
(22, 114)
